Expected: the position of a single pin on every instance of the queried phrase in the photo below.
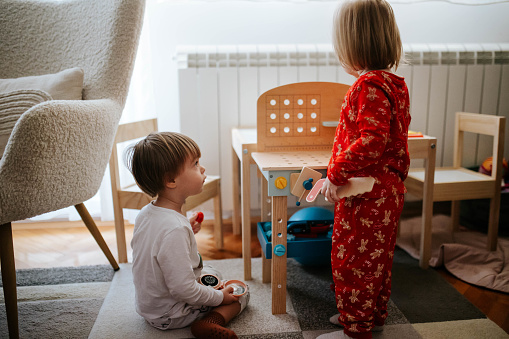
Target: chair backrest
(299, 117)
(43, 37)
(127, 132)
(484, 124)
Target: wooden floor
(62, 245)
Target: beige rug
(463, 253)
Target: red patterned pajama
(363, 244)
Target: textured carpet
(423, 305)
(58, 302)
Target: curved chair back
(44, 37)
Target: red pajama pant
(363, 244)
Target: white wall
(170, 23)
(173, 23)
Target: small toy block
(306, 173)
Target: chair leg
(218, 219)
(9, 279)
(493, 223)
(455, 215)
(92, 227)
(120, 234)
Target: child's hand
(329, 190)
(195, 221)
(228, 296)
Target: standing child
(370, 141)
(166, 262)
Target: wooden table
(274, 165)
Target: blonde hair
(158, 158)
(366, 36)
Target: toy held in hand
(239, 287)
(210, 280)
(200, 217)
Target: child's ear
(171, 183)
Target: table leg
(236, 192)
(246, 213)
(427, 207)
(279, 220)
(265, 216)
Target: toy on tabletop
(414, 134)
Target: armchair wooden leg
(92, 227)
(9, 279)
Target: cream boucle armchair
(57, 152)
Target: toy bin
(309, 234)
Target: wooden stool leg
(218, 219)
(9, 279)
(92, 227)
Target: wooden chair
(457, 183)
(133, 198)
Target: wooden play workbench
(276, 165)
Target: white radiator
(219, 86)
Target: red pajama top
(371, 137)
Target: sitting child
(166, 262)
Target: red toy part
(200, 217)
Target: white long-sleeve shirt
(166, 265)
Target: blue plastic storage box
(307, 251)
